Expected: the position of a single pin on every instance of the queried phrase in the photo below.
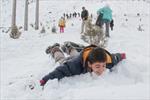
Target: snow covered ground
(23, 61)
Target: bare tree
(14, 13)
(26, 16)
(37, 15)
(14, 30)
(94, 34)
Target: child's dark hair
(97, 55)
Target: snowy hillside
(24, 60)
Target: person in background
(106, 14)
(84, 16)
(61, 24)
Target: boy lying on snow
(90, 59)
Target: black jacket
(99, 21)
(72, 67)
(84, 14)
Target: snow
(23, 61)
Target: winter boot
(56, 53)
(49, 49)
(68, 46)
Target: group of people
(62, 21)
(83, 59)
(71, 15)
(104, 17)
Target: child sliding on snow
(82, 60)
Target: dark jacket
(76, 66)
(99, 21)
(84, 14)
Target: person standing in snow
(84, 16)
(61, 24)
(106, 14)
(82, 60)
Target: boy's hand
(42, 82)
(123, 56)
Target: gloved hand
(123, 56)
(42, 82)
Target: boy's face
(98, 67)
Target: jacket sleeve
(84, 14)
(87, 13)
(116, 58)
(70, 68)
